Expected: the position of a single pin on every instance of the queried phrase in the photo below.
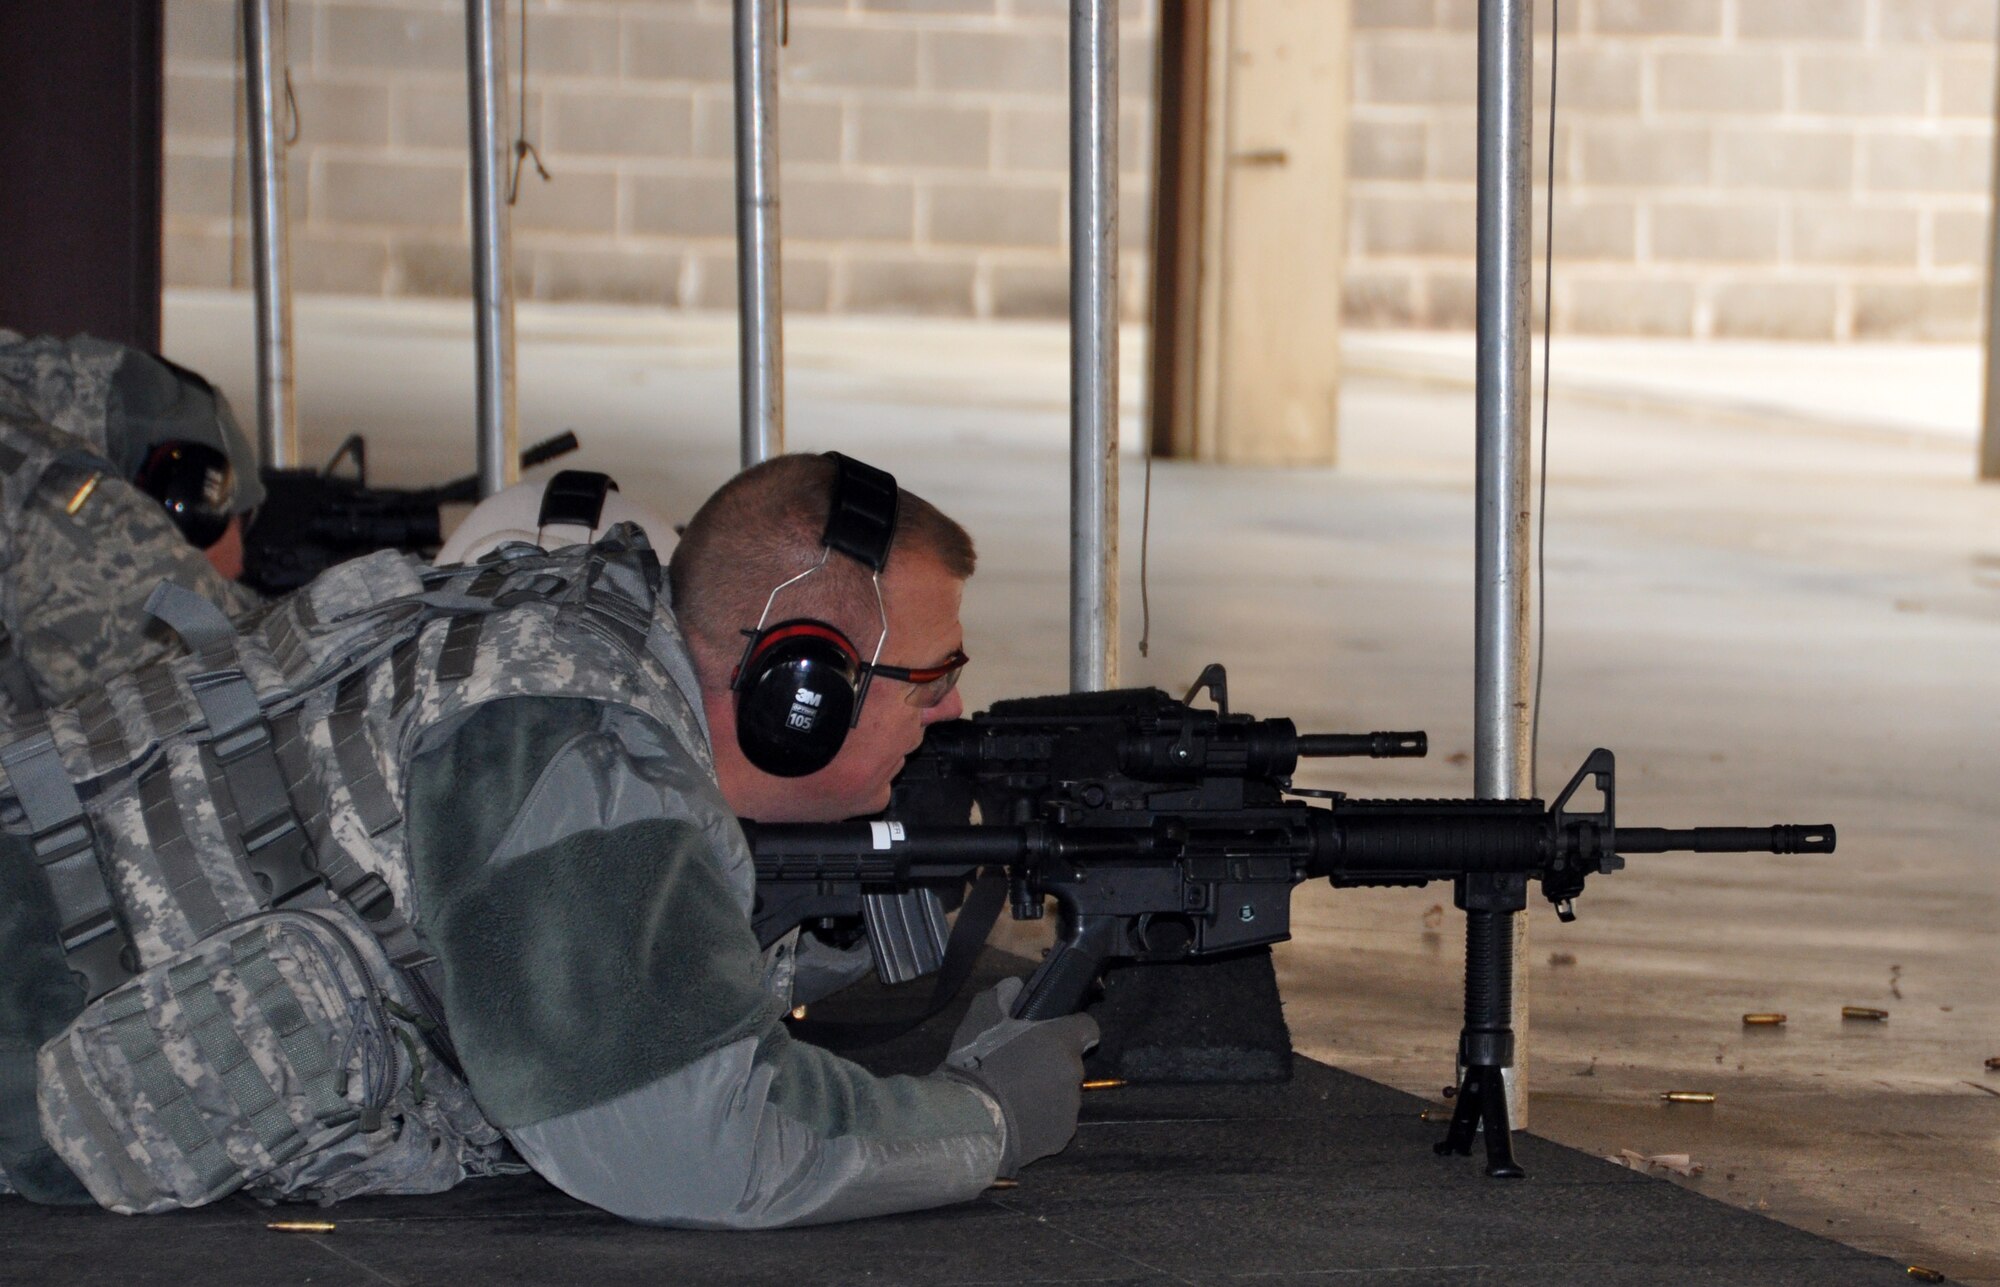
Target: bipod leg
(1486, 1046)
(1482, 1103)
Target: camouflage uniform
(81, 547)
(497, 780)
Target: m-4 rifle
(1163, 832)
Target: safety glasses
(929, 685)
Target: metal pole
(760, 300)
(1989, 425)
(492, 247)
(1093, 344)
(264, 82)
(1501, 765)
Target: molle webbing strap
(403, 675)
(243, 771)
(65, 847)
(103, 732)
(304, 1048)
(181, 866)
(131, 1026)
(862, 521)
(461, 637)
(354, 751)
(161, 696)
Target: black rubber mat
(1323, 1179)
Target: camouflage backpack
(224, 841)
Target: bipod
(1486, 1046)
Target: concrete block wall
(1798, 169)
(924, 146)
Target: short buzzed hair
(763, 527)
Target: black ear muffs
(797, 690)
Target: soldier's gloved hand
(1032, 1067)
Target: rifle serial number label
(886, 833)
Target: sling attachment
(65, 847)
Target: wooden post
(1251, 228)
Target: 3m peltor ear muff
(193, 483)
(801, 682)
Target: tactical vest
(224, 838)
(32, 456)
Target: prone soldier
(118, 470)
(435, 861)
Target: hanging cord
(1145, 543)
(524, 151)
(291, 98)
(1548, 330)
(239, 117)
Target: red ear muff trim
(797, 693)
(762, 642)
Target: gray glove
(1033, 1068)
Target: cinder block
(1959, 238)
(372, 38)
(1378, 297)
(1406, 15)
(196, 258)
(1385, 149)
(1844, 233)
(848, 209)
(804, 281)
(1792, 160)
(199, 185)
(1820, 20)
(681, 205)
(201, 32)
(1620, 154)
(1965, 84)
(1414, 225)
(1451, 300)
(1426, 74)
(1463, 15)
(934, 8)
(1591, 230)
(1603, 77)
(999, 62)
(1917, 311)
(871, 57)
(1628, 305)
(991, 214)
(1719, 82)
(1034, 139)
(1657, 17)
(1732, 234)
(906, 284)
(390, 193)
(425, 112)
(1926, 21)
(810, 126)
(1877, 83)
(639, 275)
(923, 134)
(340, 266)
(200, 106)
(573, 200)
(683, 45)
(569, 44)
(346, 112)
(1773, 310)
(1926, 163)
(1451, 149)
(647, 126)
(1030, 290)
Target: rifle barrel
(1793, 839)
(1379, 746)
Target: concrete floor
(1771, 615)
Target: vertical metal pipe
(1989, 421)
(759, 294)
(492, 247)
(1501, 764)
(264, 83)
(1093, 344)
